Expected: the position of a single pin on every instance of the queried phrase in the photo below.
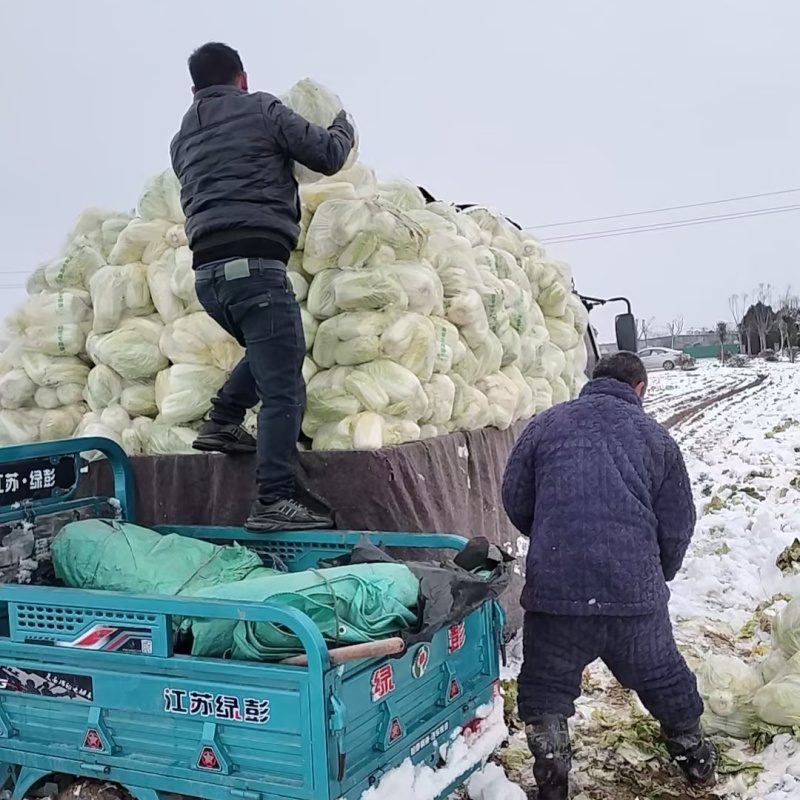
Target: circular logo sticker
(422, 658)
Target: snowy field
(742, 453)
(671, 393)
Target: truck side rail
(296, 622)
(344, 539)
(124, 490)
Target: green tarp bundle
(121, 557)
(350, 605)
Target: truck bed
(451, 484)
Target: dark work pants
(259, 309)
(640, 652)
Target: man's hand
(346, 116)
(318, 149)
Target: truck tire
(89, 789)
(669, 365)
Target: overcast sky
(549, 111)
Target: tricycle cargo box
(91, 685)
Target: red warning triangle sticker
(208, 759)
(395, 731)
(92, 741)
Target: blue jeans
(252, 299)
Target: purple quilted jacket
(602, 491)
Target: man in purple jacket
(602, 491)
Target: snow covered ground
(670, 393)
(743, 455)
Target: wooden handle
(383, 647)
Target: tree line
(762, 320)
(766, 320)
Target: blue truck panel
(91, 686)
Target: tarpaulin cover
(349, 604)
(120, 557)
(448, 590)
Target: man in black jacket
(234, 157)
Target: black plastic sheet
(449, 589)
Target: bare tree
(645, 328)
(787, 302)
(675, 328)
(738, 306)
(787, 319)
(791, 319)
(722, 336)
(763, 315)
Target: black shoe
(693, 753)
(548, 739)
(228, 439)
(285, 515)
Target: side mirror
(627, 337)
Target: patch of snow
(730, 567)
(26, 569)
(521, 554)
(464, 751)
(743, 451)
(491, 783)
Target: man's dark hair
(215, 64)
(622, 366)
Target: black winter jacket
(234, 156)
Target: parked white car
(661, 358)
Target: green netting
(350, 605)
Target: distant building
(698, 342)
(682, 340)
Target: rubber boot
(548, 739)
(693, 753)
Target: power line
(659, 210)
(619, 231)
(685, 223)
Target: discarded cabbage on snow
(786, 629)
(728, 685)
(740, 697)
(778, 703)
